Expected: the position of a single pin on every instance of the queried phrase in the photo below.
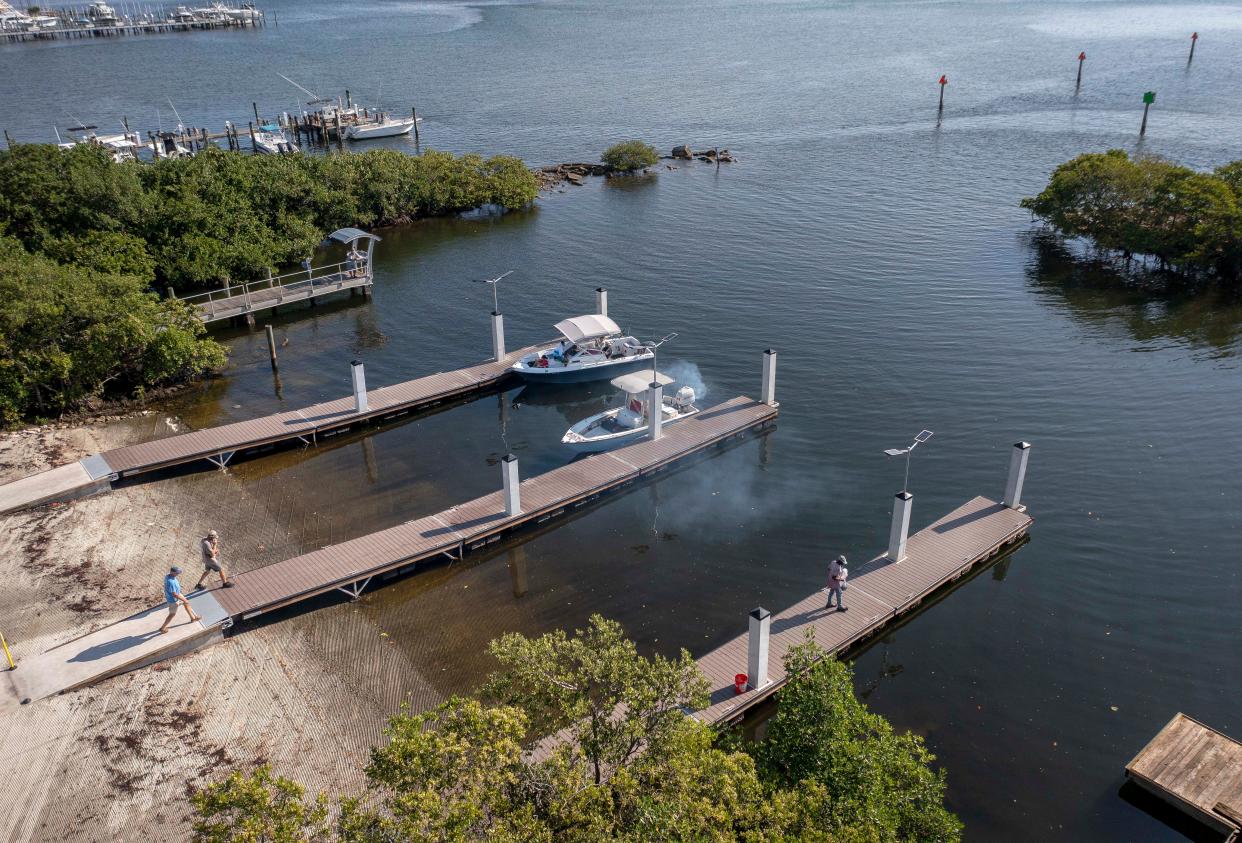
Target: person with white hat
(210, 546)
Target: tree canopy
(1189, 220)
(614, 758)
(223, 215)
(628, 156)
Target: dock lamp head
(897, 452)
(495, 283)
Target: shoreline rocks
(552, 176)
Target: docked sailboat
(593, 348)
(629, 422)
(381, 125)
(271, 140)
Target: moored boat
(271, 139)
(630, 422)
(593, 348)
(381, 126)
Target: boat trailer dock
(219, 445)
(351, 566)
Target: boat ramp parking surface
(221, 444)
(350, 566)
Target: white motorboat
(271, 140)
(101, 14)
(122, 147)
(593, 349)
(381, 126)
(629, 423)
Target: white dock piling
(1017, 474)
(360, 386)
(498, 335)
(767, 392)
(757, 649)
(601, 301)
(511, 482)
(655, 410)
(902, 504)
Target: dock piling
(360, 385)
(655, 410)
(1017, 475)
(767, 391)
(271, 348)
(1081, 58)
(1148, 98)
(944, 80)
(512, 483)
(903, 502)
(1194, 38)
(498, 335)
(757, 649)
(414, 114)
(601, 301)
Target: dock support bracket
(354, 590)
(221, 459)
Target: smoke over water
(686, 373)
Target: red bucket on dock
(739, 683)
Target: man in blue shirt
(173, 596)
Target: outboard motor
(685, 397)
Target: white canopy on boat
(637, 382)
(589, 327)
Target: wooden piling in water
(1081, 58)
(271, 348)
(414, 114)
(944, 80)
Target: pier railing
(237, 299)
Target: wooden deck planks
(1194, 768)
(879, 591)
(473, 522)
(308, 421)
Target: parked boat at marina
(594, 348)
(380, 125)
(271, 140)
(629, 422)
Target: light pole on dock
(498, 321)
(897, 452)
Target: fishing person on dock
(837, 576)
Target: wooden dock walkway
(350, 566)
(879, 593)
(219, 445)
(241, 300)
(1197, 770)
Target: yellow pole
(7, 654)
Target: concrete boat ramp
(351, 566)
(219, 445)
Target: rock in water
(683, 151)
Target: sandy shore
(118, 760)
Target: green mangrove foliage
(628, 156)
(222, 215)
(68, 333)
(628, 764)
(1190, 221)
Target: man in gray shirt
(210, 546)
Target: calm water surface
(884, 255)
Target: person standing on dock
(837, 575)
(210, 546)
(306, 264)
(173, 596)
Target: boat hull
(603, 371)
(363, 131)
(600, 444)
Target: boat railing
(241, 297)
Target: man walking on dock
(173, 596)
(837, 575)
(210, 546)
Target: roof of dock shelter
(588, 327)
(347, 235)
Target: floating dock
(879, 593)
(350, 566)
(1197, 770)
(219, 445)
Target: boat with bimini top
(628, 423)
(593, 348)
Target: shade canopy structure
(636, 382)
(348, 235)
(588, 327)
